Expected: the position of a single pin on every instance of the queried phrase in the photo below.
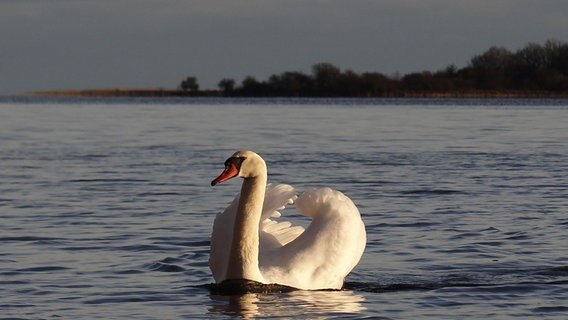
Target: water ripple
(107, 210)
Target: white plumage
(319, 257)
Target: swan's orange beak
(230, 171)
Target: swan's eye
(237, 161)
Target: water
(106, 206)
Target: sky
(80, 44)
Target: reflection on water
(246, 305)
(329, 301)
(295, 303)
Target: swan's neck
(243, 259)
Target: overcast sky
(60, 44)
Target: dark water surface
(106, 207)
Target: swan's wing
(326, 251)
(273, 234)
(282, 233)
(276, 198)
(221, 240)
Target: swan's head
(244, 164)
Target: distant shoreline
(127, 93)
(470, 94)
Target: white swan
(247, 243)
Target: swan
(249, 244)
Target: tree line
(533, 68)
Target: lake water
(106, 208)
